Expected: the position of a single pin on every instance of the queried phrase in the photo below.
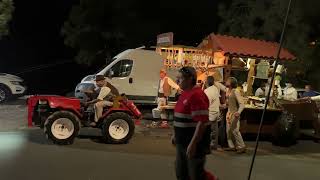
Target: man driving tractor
(104, 99)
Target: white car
(11, 86)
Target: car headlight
(15, 82)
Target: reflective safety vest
(191, 108)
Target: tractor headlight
(42, 102)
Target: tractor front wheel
(62, 127)
(117, 128)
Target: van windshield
(108, 61)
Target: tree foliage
(6, 10)
(100, 29)
(97, 28)
(89, 30)
(263, 19)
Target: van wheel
(5, 93)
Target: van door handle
(130, 80)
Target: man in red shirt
(191, 127)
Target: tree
(263, 19)
(6, 10)
(100, 29)
(88, 30)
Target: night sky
(36, 39)
(35, 33)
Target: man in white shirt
(165, 86)
(102, 99)
(290, 93)
(213, 95)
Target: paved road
(27, 155)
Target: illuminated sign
(165, 39)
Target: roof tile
(248, 47)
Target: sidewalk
(13, 115)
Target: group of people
(212, 91)
(288, 93)
(235, 106)
(196, 115)
(192, 128)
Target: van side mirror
(110, 74)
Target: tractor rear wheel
(117, 128)
(62, 127)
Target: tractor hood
(55, 101)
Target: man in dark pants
(191, 128)
(213, 95)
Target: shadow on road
(37, 136)
(160, 145)
(92, 141)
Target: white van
(134, 72)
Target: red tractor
(62, 117)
